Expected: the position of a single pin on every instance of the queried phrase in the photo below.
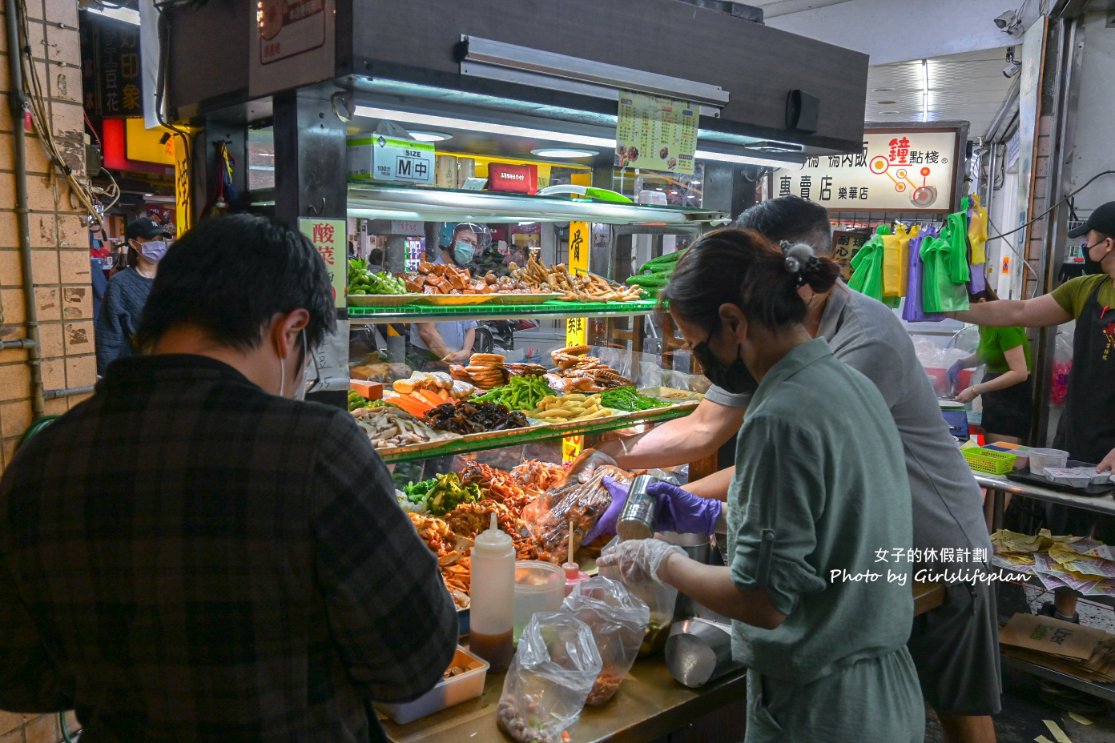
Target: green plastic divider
(554, 308)
(540, 434)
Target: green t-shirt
(994, 344)
(1074, 293)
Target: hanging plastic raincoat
(896, 265)
(912, 308)
(867, 265)
(977, 231)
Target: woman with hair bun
(820, 490)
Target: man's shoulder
(862, 320)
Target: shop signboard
(292, 43)
(112, 72)
(656, 133)
(329, 236)
(576, 328)
(898, 170)
(378, 157)
(845, 245)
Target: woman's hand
(968, 394)
(639, 560)
(1108, 463)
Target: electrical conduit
(17, 102)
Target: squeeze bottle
(492, 591)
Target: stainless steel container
(698, 547)
(699, 651)
(636, 520)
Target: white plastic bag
(618, 619)
(549, 679)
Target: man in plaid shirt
(190, 555)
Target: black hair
(987, 294)
(791, 219)
(230, 275)
(375, 256)
(741, 267)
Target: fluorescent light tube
(127, 15)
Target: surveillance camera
(1005, 20)
(1012, 69)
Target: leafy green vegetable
(363, 281)
(357, 401)
(442, 493)
(629, 399)
(521, 393)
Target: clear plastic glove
(682, 512)
(953, 375)
(638, 560)
(606, 524)
(585, 465)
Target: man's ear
(284, 330)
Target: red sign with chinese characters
(330, 237)
(513, 178)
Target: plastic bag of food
(549, 516)
(550, 676)
(618, 620)
(660, 599)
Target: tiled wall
(60, 260)
(60, 265)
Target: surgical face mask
(300, 384)
(735, 377)
(463, 251)
(154, 250)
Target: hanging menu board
(656, 133)
(906, 170)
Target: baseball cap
(146, 227)
(1102, 219)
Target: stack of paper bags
(1085, 652)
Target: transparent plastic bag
(549, 679)
(660, 598)
(618, 620)
(582, 504)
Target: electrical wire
(1056, 204)
(86, 194)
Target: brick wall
(60, 264)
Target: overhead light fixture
(423, 135)
(127, 15)
(407, 117)
(925, 90)
(563, 153)
(1013, 67)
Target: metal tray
(1043, 482)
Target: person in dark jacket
(127, 292)
(196, 555)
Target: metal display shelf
(540, 433)
(551, 309)
(407, 203)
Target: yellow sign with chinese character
(576, 328)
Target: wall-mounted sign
(111, 70)
(845, 245)
(656, 133)
(377, 157)
(906, 170)
(330, 237)
(292, 44)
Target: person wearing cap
(1087, 427)
(127, 290)
(436, 345)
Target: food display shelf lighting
(432, 204)
(548, 135)
(541, 433)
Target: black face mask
(734, 377)
(1091, 267)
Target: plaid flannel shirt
(185, 557)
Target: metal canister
(636, 520)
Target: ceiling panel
(962, 87)
(773, 8)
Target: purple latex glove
(606, 524)
(682, 512)
(953, 376)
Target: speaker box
(802, 110)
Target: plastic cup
(539, 586)
(1042, 458)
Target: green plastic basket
(988, 460)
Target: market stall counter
(650, 705)
(999, 486)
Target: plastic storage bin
(445, 693)
(1042, 458)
